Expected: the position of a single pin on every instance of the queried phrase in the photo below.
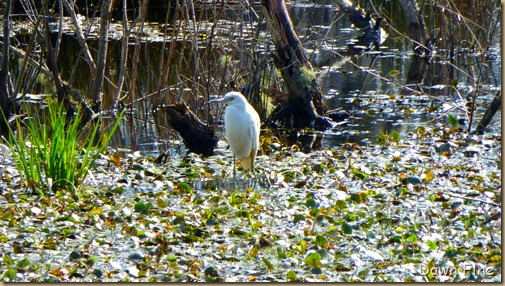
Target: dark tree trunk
(305, 106)
(416, 27)
(101, 60)
(64, 91)
(6, 89)
(489, 114)
(422, 46)
(198, 137)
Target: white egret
(242, 125)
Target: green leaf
(453, 120)
(414, 180)
(91, 261)
(359, 174)
(396, 137)
(98, 273)
(394, 72)
(432, 245)
(236, 200)
(314, 212)
(10, 274)
(313, 259)
(346, 228)
(303, 245)
(74, 255)
(323, 252)
(322, 242)
(269, 264)
(350, 217)
(23, 263)
(412, 238)
(185, 188)
(446, 147)
(340, 204)
(161, 203)
(298, 217)
(311, 203)
(291, 275)
(140, 206)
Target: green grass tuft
(54, 153)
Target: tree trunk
(198, 137)
(6, 89)
(64, 91)
(305, 106)
(416, 26)
(490, 112)
(101, 60)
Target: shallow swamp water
(396, 191)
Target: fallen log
(198, 137)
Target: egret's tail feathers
(246, 163)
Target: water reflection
(361, 85)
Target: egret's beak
(220, 100)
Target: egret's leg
(254, 174)
(234, 167)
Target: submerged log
(305, 107)
(198, 137)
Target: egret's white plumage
(242, 125)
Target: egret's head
(231, 98)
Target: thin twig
(472, 199)
(80, 37)
(124, 57)
(491, 218)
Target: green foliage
(321, 221)
(267, 262)
(346, 228)
(184, 187)
(453, 120)
(322, 242)
(313, 260)
(384, 139)
(47, 152)
(432, 245)
(291, 276)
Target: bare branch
(80, 36)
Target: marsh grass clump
(53, 152)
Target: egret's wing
(255, 132)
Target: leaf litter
(403, 210)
